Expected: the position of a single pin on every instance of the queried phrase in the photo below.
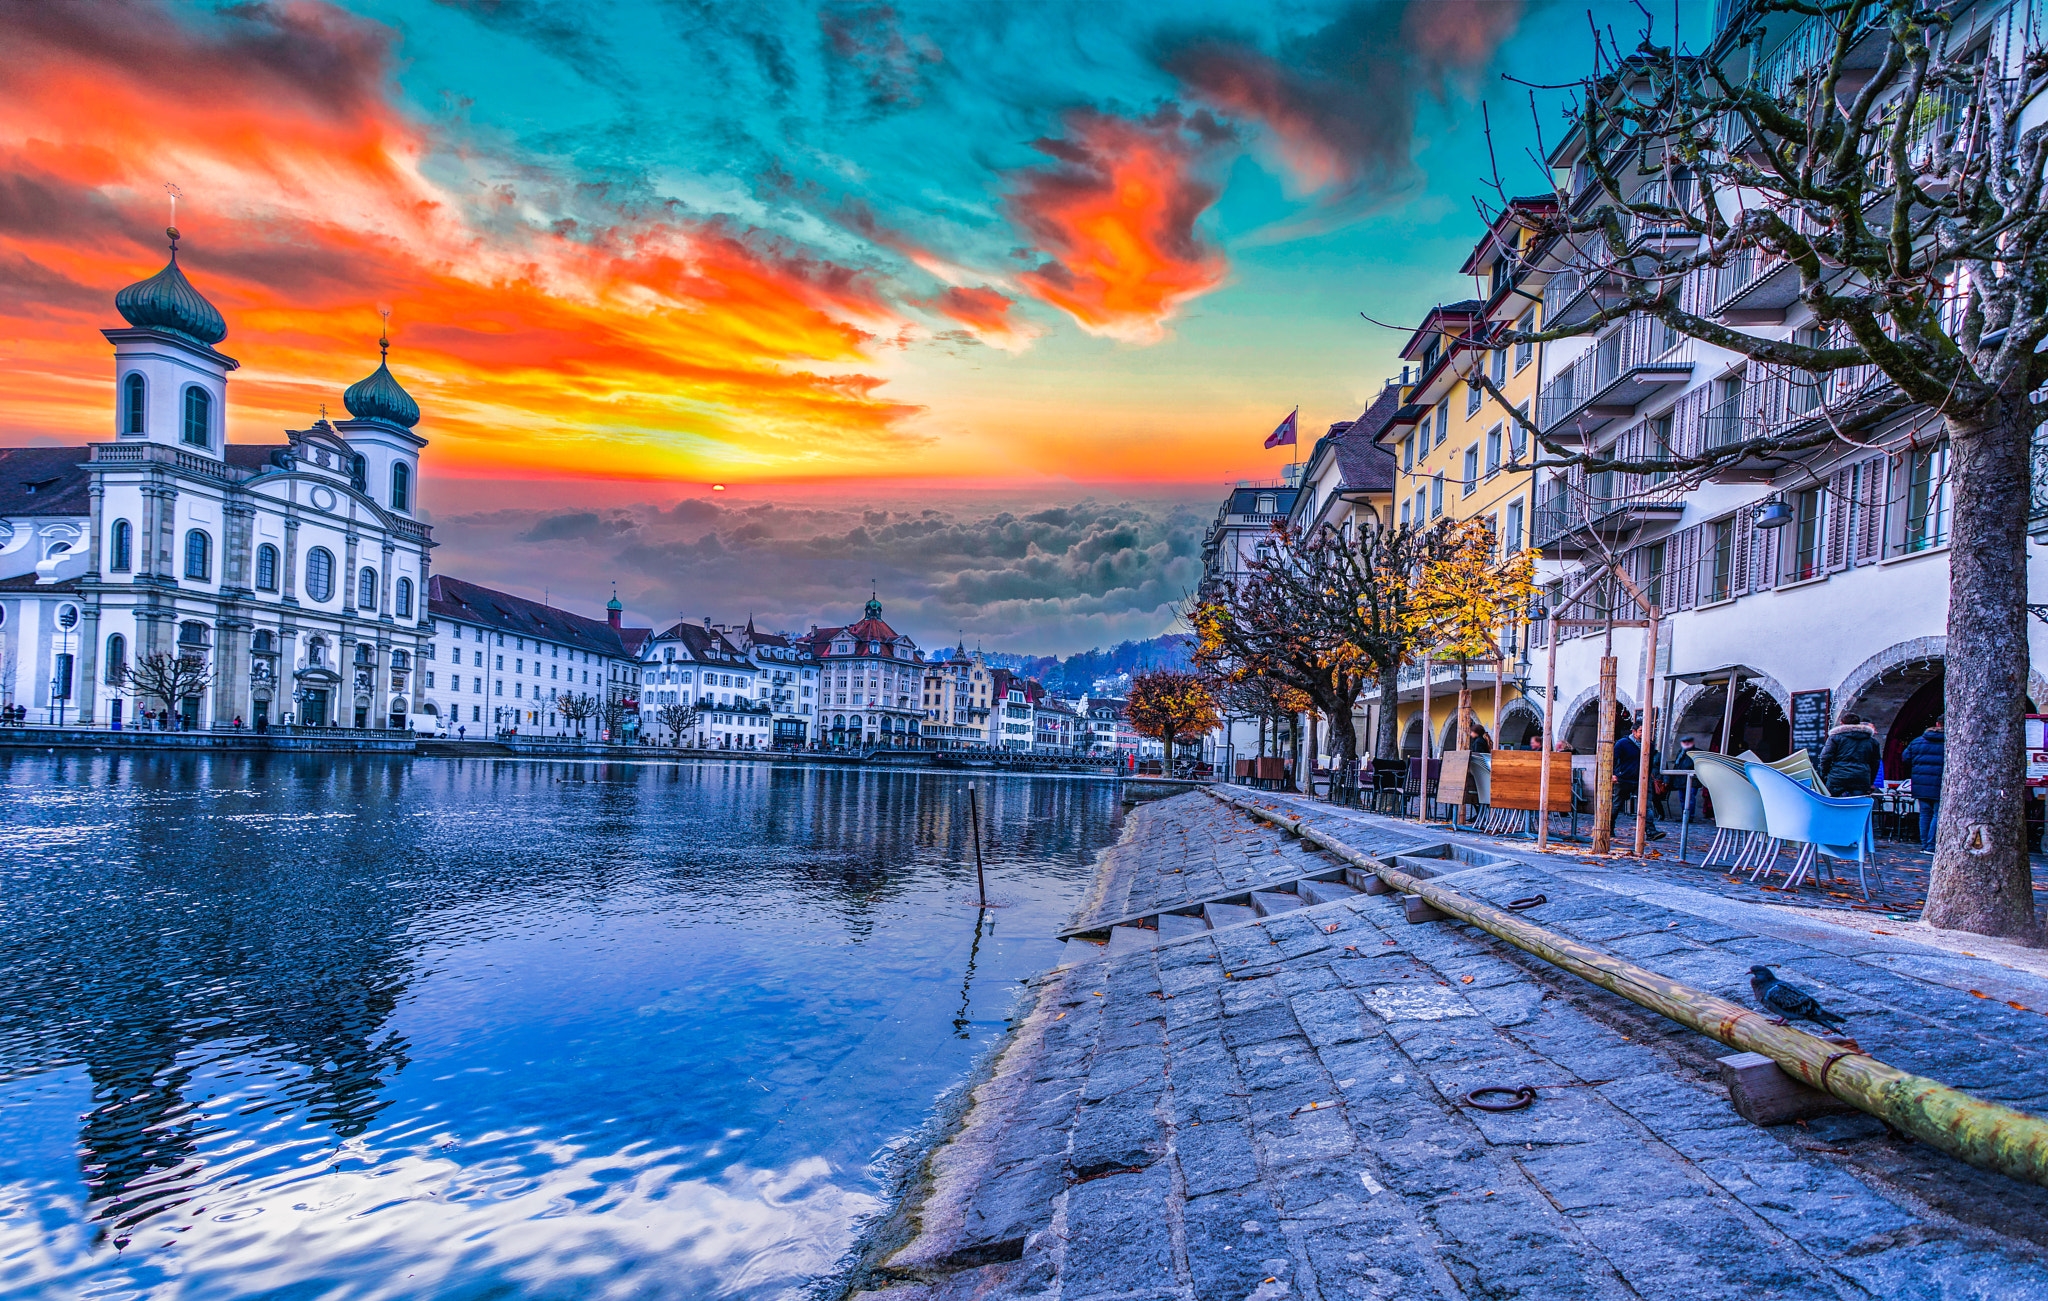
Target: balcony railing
(1639, 342)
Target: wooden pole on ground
(974, 813)
(1603, 769)
(1646, 737)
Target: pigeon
(1789, 1000)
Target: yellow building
(1461, 455)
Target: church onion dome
(167, 301)
(380, 397)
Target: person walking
(1848, 762)
(1628, 758)
(1926, 758)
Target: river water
(336, 1027)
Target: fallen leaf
(1978, 993)
(1466, 979)
(1061, 1017)
(1331, 928)
(2017, 1007)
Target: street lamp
(60, 677)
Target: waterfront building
(788, 680)
(1107, 720)
(871, 683)
(291, 575)
(958, 698)
(498, 663)
(697, 664)
(1012, 720)
(1055, 725)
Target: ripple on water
(385, 1027)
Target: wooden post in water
(974, 814)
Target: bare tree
(577, 708)
(166, 676)
(677, 719)
(611, 715)
(1874, 160)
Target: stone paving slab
(1275, 1111)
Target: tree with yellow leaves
(1463, 596)
(1170, 704)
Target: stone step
(1324, 891)
(1227, 914)
(1174, 926)
(1130, 939)
(1269, 902)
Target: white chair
(1797, 765)
(1824, 826)
(1739, 826)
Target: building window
(1471, 470)
(1720, 560)
(191, 638)
(1493, 451)
(366, 589)
(401, 601)
(134, 405)
(1525, 353)
(262, 641)
(120, 546)
(1408, 453)
(266, 568)
(198, 555)
(401, 487)
(1803, 557)
(1471, 398)
(1436, 495)
(1921, 511)
(117, 660)
(1500, 365)
(198, 429)
(1443, 421)
(320, 574)
(1512, 537)
(1653, 573)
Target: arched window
(366, 589)
(117, 660)
(316, 652)
(401, 487)
(120, 546)
(266, 568)
(198, 429)
(320, 574)
(191, 636)
(363, 653)
(401, 599)
(198, 555)
(134, 405)
(261, 640)
(400, 661)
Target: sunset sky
(904, 278)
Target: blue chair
(1824, 826)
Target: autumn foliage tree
(1464, 594)
(1324, 614)
(1170, 704)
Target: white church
(288, 580)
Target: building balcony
(1599, 508)
(1610, 381)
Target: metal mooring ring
(1519, 1097)
(1523, 905)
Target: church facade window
(266, 568)
(401, 599)
(198, 426)
(120, 546)
(134, 406)
(366, 589)
(198, 555)
(401, 487)
(320, 574)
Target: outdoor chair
(1739, 825)
(1798, 766)
(1825, 827)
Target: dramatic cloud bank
(1015, 576)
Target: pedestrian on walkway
(1628, 758)
(1848, 762)
(1926, 759)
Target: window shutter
(1870, 496)
(1840, 501)
(1745, 539)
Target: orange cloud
(1115, 214)
(985, 314)
(542, 329)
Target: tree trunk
(1464, 706)
(1387, 740)
(1343, 758)
(1982, 880)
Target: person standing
(1926, 759)
(1628, 758)
(1848, 762)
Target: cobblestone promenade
(1275, 1108)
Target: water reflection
(298, 1022)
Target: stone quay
(1271, 1101)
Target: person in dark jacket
(1848, 762)
(1926, 758)
(1628, 758)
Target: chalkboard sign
(1812, 713)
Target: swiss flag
(1285, 433)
